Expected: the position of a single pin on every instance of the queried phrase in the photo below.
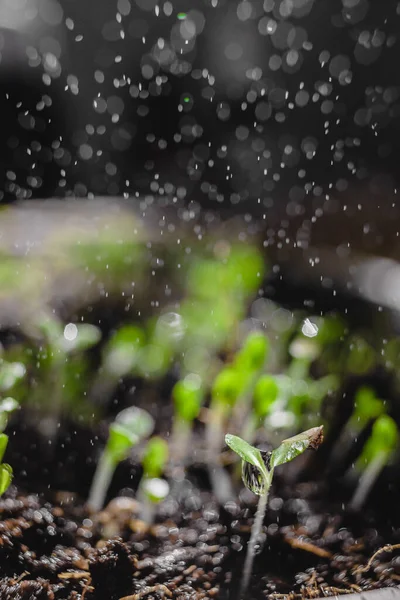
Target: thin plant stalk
(180, 438)
(101, 482)
(255, 533)
(220, 480)
(367, 480)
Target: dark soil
(52, 548)
(57, 551)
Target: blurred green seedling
(367, 406)
(153, 489)
(265, 395)
(376, 454)
(188, 397)
(7, 407)
(249, 361)
(130, 427)
(257, 473)
(6, 472)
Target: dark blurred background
(285, 110)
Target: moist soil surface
(53, 548)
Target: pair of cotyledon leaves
(285, 452)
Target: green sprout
(153, 488)
(249, 362)
(7, 406)
(266, 392)
(130, 427)
(64, 345)
(6, 472)
(257, 473)
(376, 453)
(187, 395)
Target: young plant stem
(220, 480)
(255, 533)
(367, 480)
(101, 482)
(181, 432)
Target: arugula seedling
(249, 361)
(131, 426)
(187, 395)
(377, 451)
(257, 473)
(265, 394)
(152, 488)
(7, 406)
(6, 472)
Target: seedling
(249, 362)
(377, 451)
(153, 489)
(6, 472)
(7, 406)
(257, 473)
(188, 396)
(63, 344)
(131, 426)
(265, 394)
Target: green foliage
(366, 407)
(266, 392)
(7, 406)
(246, 452)
(154, 489)
(121, 352)
(6, 472)
(254, 352)
(130, 427)
(227, 387)
(155, 457)
(361, 356)
(259, 481)
(383, 440)
(188, 396)
(296, 445)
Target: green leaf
(85, 337)
(10, 373)
(188, 396)
(294, 446)
(7, 406)
(155, 489)
(122, 351)
(6, 475)
(366, 406)
(266, 392)
(384, 438)
(227, 386)
(155, 457)
(246, 452)
(254, 352)
(119, 443)
(136, 422)
(3, 445)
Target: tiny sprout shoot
(187, 396)
(7, 406)
(253, 353)
(377, 451)
(257, 473)
(265, 394)
(152, 488)
(155, 457)
(249, 361)
(6, 472)
(130, 427)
